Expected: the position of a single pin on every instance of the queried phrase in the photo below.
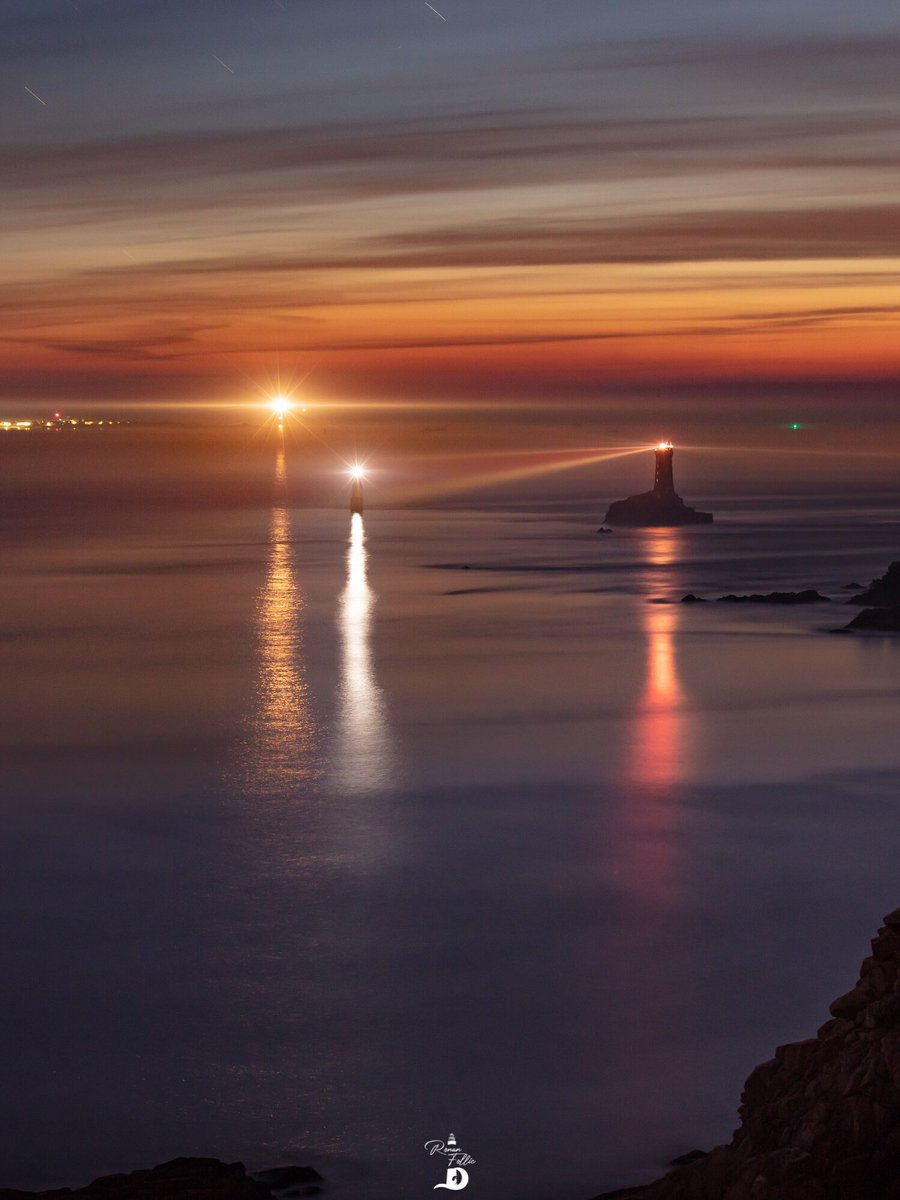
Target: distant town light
(55, 423)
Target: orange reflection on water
(283, 751)
(661, 733)
(363, 760)
(659, 749)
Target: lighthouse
(356, 492)
(662, 505)
(663, 482)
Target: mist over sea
(323, 838)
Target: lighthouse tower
(663, 482)
(662, 505)
(356, 495)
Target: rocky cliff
(821, 1120)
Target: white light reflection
(283, 750)
(363, 760)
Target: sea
(327, 836)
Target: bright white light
(356, 472)
(664, 446)
(280, 405)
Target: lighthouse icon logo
(457, 1161)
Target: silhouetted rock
(807, 596)
(883, 592)
(879, 620)
(180, 1179)
(821, 1120)
(648, 509)
(662, 505)
(690, 598)
(603, 529)
(692, 1156)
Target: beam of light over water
(363, 759)
(534, 464)
(283, 750)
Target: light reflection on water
(283, 750)
(297, 1008)
(660, 747)
(363, 759)
(660, 743)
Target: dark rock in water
(807, 596)
(662, 505)
(879, 620)
(850, 587)
(821, 1120)
(690, 598)
(883, 592)
(180, 1179)
(603, 529)
(649, 509)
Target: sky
(484, 202)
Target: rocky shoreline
(189, 1179)
(820, 1120)
(882, 597)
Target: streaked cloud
(568, 180)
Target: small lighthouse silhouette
(451, 1142)
(356, 493)
(662, 505)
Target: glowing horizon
(641, 220)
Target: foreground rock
(883, 592)
(181, 1179)
(821, 1120)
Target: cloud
(732, 48)
(853, 231)
(306, 164)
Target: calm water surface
(325, 837)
